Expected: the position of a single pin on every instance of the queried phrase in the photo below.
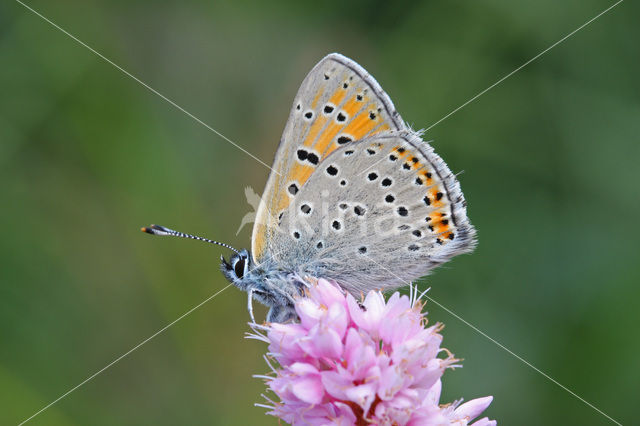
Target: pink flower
(347, 363)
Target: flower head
(347, 363)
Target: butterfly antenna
(161, 230)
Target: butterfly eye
(239, 268)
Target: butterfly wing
(377, 213)
(337, 103)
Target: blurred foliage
(88, 155)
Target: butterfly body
(354, 195)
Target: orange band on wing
(335, 99)
(327, 137)
(316, 97)
(315, 129)
(360, 125)
(436, 197)
(330, 133)
(441, 227)
(427, 177)
(298, 173)
(353, 106)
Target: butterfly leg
(250, 305)
(282, 313)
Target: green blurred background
(87, 156)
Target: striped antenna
(161, 230)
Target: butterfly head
(237, 267)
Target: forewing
(338, 103)
(378, 213)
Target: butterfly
(354, 195)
